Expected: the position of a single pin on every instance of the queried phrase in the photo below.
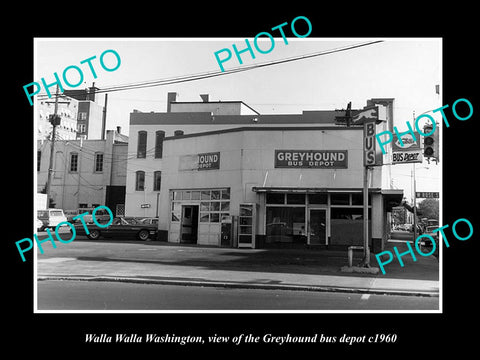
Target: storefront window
(215, 194)
(273, 198)
(215, 206)
(347, 213)
(195, 195)
(340, 199)
(296, 199)
(226, 194)
(211, 208)
(357, 199)
(225, 206)
(317, 199)
(286, 225)
(224, 216)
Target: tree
(428, 208)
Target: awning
(310, 190)
(392, 197)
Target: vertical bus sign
(369, 143)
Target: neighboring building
(87, 173)
(213, 107)
(287, 180)
(67, 110)
(90, 118)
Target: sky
(405, 69)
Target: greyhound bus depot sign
(313, 159)
(203, 161)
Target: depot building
(220, 173)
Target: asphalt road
(94, 295)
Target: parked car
(153, 221)
(39, 225)
(429, 231)
(125, 227)
(51, 217)
(427, 244)
(70, 214)
(101, 215)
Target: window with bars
(98, 162)
(73, 162)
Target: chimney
(91, 93)
(119, 129)
(204, 97)
(171, 97)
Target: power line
(206, 75)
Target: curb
(238, 285)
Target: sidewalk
(293, 269)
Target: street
(402, 235)
(152, 275)
(75, 295)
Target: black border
(417, 333)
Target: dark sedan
(120, 227)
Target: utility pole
(54, 120)
(104, 117)
(366, 248)
(414, 195)
(414, 204)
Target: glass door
(317, 230)
(189, 224)
(246, 226)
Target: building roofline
(216, 102)
(262, 128)
(203, 118)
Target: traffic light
(431, 143)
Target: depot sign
(313, 159)
(406, 148)
(403, 157)
(209, 161)
(203, 161)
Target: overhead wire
(205, 75)
(199, 76)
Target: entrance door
(317, 232)
(189, 224)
